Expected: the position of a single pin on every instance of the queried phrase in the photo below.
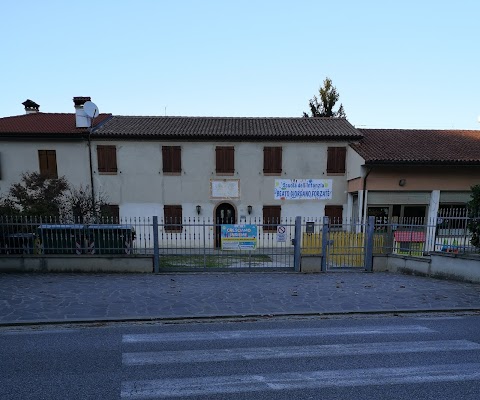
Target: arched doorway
(224, 214)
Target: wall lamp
(199, 208)
(249, 209)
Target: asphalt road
(419, 356)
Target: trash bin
(61, 239)
(19, 243)
(3, 243)
(111, 239)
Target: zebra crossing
(166, 351)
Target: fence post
(297, 243)
(156, 252)
(325, 231)
(369, 245)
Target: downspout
(91, 167)
(364, 195)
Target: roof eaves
(422, 162)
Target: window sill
(272, 173)
(172, 173)
(335, 173)
(107, 173)
(225, 173)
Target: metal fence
(421, 236)
(200, 243)
(186, 244)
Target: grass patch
(213, 261)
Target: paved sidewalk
(102, 297)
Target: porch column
(432, 220)
(349, 213)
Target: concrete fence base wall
(455, 266)
(458, 267)
(59, 263)
(311, 263)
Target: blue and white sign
(239, 237)
(281, 234)
(303, 189)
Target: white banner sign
(303, 189)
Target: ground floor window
(452, 219)
(271, 218)
(172, 215)
(111, 212)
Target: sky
(412, 64)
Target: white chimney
(30, 107)
(81, 119)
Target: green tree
(474, 215)
(36, 195)
(323, 105)
(77, 205)
(7, 207)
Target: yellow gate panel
(344, 249)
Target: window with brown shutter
(336, 160)
(171, 157)
(271, 218)
(272, 160)
(225, 159)
(172, 216)
(111, 212)
(48, 163)
(107, 159)
(335, 214)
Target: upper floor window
(336, 160)
(172, 159)
(48, 163)
(224, 159)
(107, 159)
(272, 160)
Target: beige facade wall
(140, 184)
(423, 178)
(354, 165)
(22, 156)
(355, 185)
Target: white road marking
(269, 333)
(265, 353)
(204, 386)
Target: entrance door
(224, 214)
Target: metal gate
(195, 244)
(339, 245)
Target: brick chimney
(81, 119)
(31, 107)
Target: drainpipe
(364, 194)
(91, 167)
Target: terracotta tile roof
(202, 128)
(408, 146)
(43, 124)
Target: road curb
(186, 318)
